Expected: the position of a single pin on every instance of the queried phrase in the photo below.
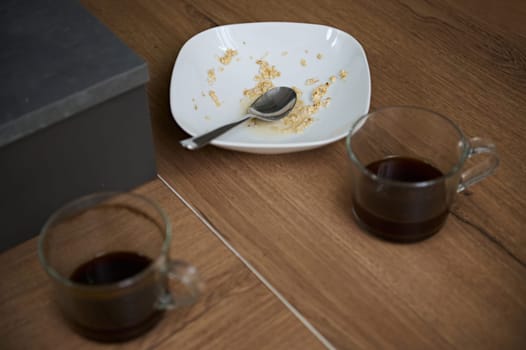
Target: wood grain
(290, 214)
(444, 58)
(233, 301)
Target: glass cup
(407, 165)
(108, 257)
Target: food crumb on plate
(214, 98)
(319, 92)
(211, 76)
(301, 116)
(227, 57)
(264, 79)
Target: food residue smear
(301, 116)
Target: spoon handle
(197, 142)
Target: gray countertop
(56, 60)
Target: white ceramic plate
(299, 51)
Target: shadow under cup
(407, 165)
(107, 255)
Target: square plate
(206, 93)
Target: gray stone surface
(57, 60)
(88, 153)
(73, 113)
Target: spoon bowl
(272, 106)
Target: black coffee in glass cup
(108, 257)
(407, 164)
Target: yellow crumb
(264, 79)
(319, 92)
(258, 90)
(214, 98)
(211, 76)
(319, 56)
(266, 71)
(221, 69)
(227, 57)
(302, 115)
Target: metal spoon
(271, 106)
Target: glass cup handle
(187, 275)
(482, 169)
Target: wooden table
(285, 264)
